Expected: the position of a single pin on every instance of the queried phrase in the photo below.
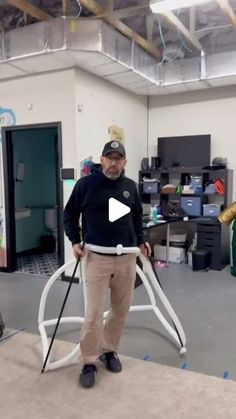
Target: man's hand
(78, 251)
(145, 249)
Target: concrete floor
(204, 302)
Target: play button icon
(117, 209)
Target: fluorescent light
(167, 5)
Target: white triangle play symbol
(117, 209)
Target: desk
(212, 236)
(149, 226)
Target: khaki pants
(101, 272)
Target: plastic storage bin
(212, 210)
(196, 181)
(191, 205)
(150, 187)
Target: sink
(21, 213)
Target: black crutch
(59, 317)
(2, 325)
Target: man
(90, 197)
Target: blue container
(191, 205)
(150, 187)
(196, 181)
(211, 209)
(197, 189)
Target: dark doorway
(32, 159)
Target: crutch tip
(182, 351)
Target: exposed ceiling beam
(65, 8)
(129, 11)
(200, 33)
(29, 9)
(192, 19)
(110, 6)
(132, 11)
(141, 10)
(96, 9)
(150, 27)
(228, 11)
(174, 21)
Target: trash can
(233, 244)
(201, 260)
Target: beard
(113, 175)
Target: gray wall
(37, 191)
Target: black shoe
(111, 360)
(87, 375)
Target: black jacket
(90, 197)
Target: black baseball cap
(112, 146)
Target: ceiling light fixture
(163, 6)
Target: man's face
(113, 164)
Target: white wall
(55, 96)
(202, 112)
(105, 104)
(52, 98)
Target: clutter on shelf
(168, 189)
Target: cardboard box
(178, 237)
(176, 254)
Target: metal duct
(96, 47)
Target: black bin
(201, 260)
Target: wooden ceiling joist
(228, 11)
(150, 27)
(111, 5)
(29, 9)
(141, 10)
(65, 8)
(130, 12)
(98, 10)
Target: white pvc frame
(151, 285)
